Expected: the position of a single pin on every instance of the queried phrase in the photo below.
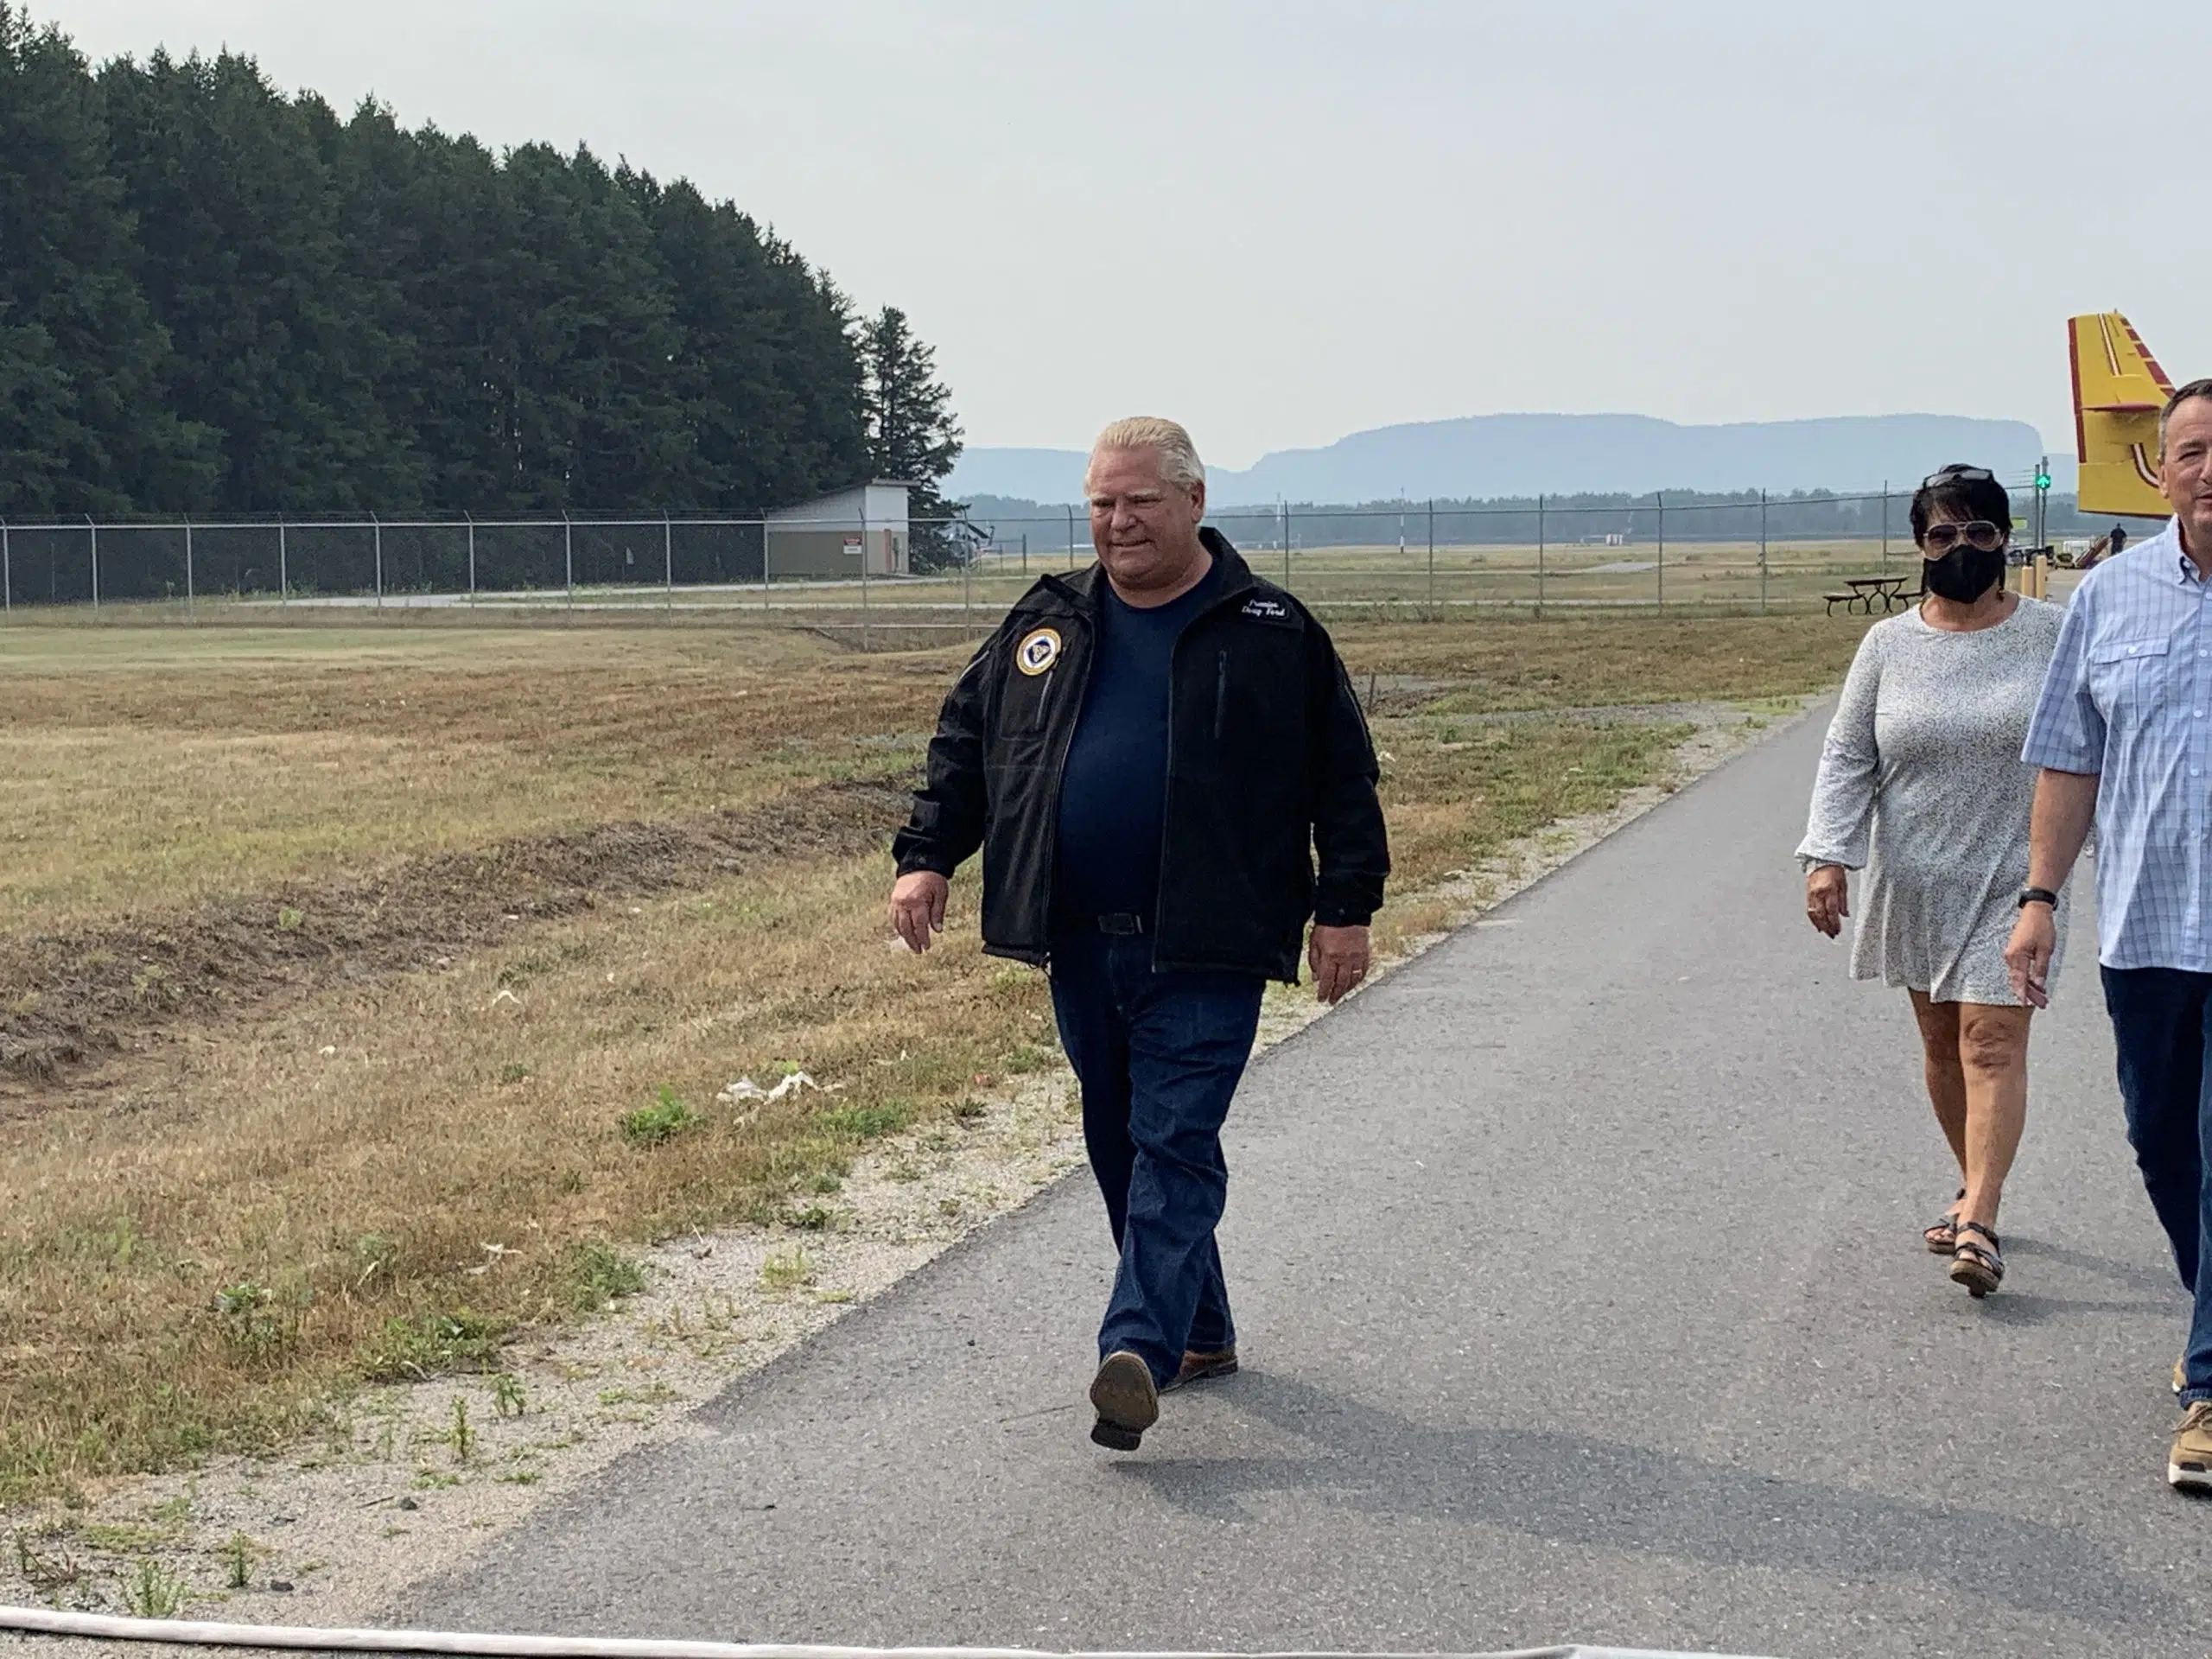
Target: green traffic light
(2042, 481)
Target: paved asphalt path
(1581, 1297)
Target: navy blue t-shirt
(1113, 787)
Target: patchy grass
(385, 1160)
(1519, 663)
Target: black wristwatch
(2037, 896)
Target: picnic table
(1861, 594)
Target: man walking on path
(1150, 756)
(2124, 736)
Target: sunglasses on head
(1958, 475)
(1975, 532)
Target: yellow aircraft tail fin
(2119, 388)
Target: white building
(836, 534)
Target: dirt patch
(82, 995)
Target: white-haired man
(1152, 757)
(2123, 735)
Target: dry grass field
(364, 991)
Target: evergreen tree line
(215, 299)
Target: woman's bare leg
(1940, 1060)
(1994, 1058)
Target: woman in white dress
(1921, 788)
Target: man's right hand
(918, 908)
(2027, 953)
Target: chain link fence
(1754, 552)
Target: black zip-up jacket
(1268, 764)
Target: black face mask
(1964, 574)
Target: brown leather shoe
(1127, 1402)
(1199, 1367)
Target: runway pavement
(1581, 1297)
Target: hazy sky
(1288, 220)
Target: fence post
(1661, 566)
(1070, 538)
(1885, 526)
(284, 566)
(1286, 533)
(7, 573)
(968, 588)
(867, 634)
(188, 565)
(378, 533)
(764, 564)
(471, 518)
(1540, 556)
(1432, 558)
(95, 529)
(1763, 547)
(1025, 553)
(569, 557)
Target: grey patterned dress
(1922, 785)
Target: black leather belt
(1122, 924)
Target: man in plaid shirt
(2123, 733)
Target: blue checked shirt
(2129, 697)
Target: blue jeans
(1157, 1055)
(2162, 1026)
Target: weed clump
(670, 1115)
(869, 1122)
(598, 1274)
(414, 1350)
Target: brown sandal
(1979, 1267)
(1942, 1237)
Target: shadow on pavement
(1614, 1496)
(2132, 1275)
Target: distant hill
(1488, 456)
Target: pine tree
(912, 435)
(241, 260)
(85, 425)
(767, 374)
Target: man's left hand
(1339, 959)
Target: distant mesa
(1488, 456)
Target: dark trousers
(2161, 1027)
(1159, 1055)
